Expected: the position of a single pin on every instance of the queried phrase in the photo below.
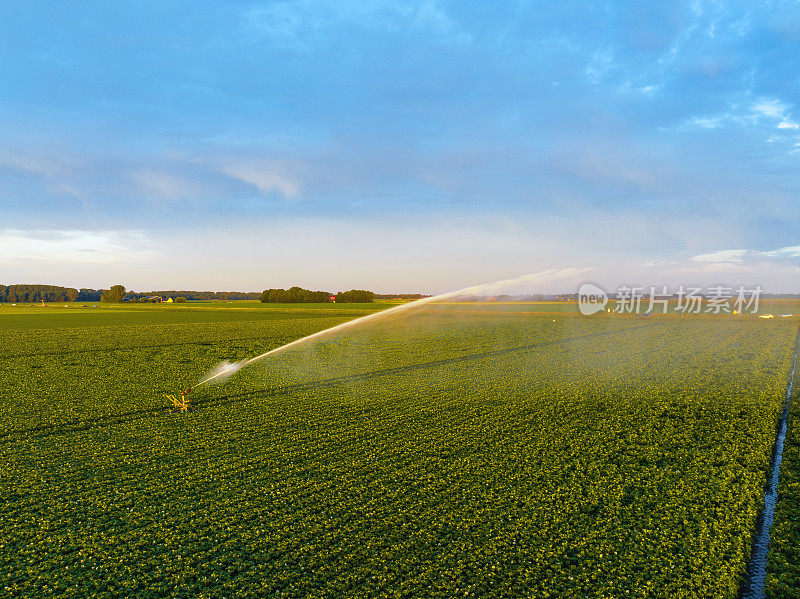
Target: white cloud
(760, 266)
(788, 252)
(748, 116)
(740, 259)
(265, 178)
(682, 38)
(722, 256)
(739, 266)
(164, 185)
(708, 123)
(771, 107)
(75, 247)
(601, 63)
(775, 109)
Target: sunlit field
(454, 450)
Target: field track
(757, 568)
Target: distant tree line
(118, 293)
(36, 293)
(355, 296)
(294, 295)
(89, 295)
(298, 295)
(202, 295)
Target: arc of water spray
(225, 369)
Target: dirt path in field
(753, 587)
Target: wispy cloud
(771, 107)
(744, 258)
(708, 123)
(160, 185)
(74, 246)
(266, 178)
(601, 63)
(767, 114)
(775, 109)
(787, 252)
(721, 256)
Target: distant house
(168, 300)
(332, 298)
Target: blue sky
(398, 146)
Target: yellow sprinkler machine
(180, 404)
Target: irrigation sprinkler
(180, 404)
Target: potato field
(447, 452)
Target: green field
(458, 450)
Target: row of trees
(355, 296)
(298, 295)
(118, 293)
(36, 293)
(202, 295)
(294, 295)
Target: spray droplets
(226, 369)
(223, 371)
